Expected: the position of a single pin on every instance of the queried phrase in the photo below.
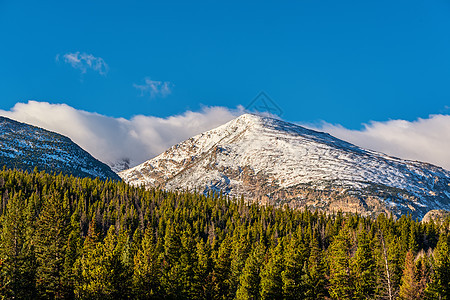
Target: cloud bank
(140, 138)
(154, 88)
(84, 61)
(114, 140)
(425, 140)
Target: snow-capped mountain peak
(273, 161)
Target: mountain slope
(275, 162)
(25, 147)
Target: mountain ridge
(275, 162)
(25, 147)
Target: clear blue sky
(345, 62)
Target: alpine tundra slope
(275, 162)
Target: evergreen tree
(222, 271)
(51, 244)
(88, 266)
(396, 263)
(146, 275)
(241, 248)
(292, 276)
(104, 271)
(16, 252)
(74, 245)
(171, 268)
(364, 268)
(315, 273)
(271, 278)
(439, 287)
(187, 262)
(249, 283)
(202, 286)
(341, 277)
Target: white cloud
(143, 137)
(154, 88)
(425, 140)
(84, 61)
(114, 139)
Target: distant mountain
(120, 165)
(25, 147)
(274, 162)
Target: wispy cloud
(113, 140)
(425, 139)
(84, 62)
(154, 88)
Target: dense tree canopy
(68, 237)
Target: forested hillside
(68, 237)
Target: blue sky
(345, 62)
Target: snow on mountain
(25, 147)
(275, 162)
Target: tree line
(63, 237)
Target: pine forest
(63, 237)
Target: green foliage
(271, 276)
(146, 271)
(249, 283)
(18, 265)
(67, 237)
(439, 287)
(364, 268)
(52, 232)
(314, 278)
(293, 278)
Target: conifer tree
(16, 252)
(396, 263)
(408, 289)
(271, 275)
(249, 283)
(51, 245)
(240, 251)
(341, 277)
(202, 286)
(171, 268)
(120, 263)
(88, 265)
(104, 272)
(146, 275)
(314, 273)
(364, 268)
(293, 274)
(439, 287)
(222, 270)
(422, 275)
(187, 261)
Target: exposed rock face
(275, 162)
(25, 147)
(437, 215)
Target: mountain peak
(272, 161)
(250, 118)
